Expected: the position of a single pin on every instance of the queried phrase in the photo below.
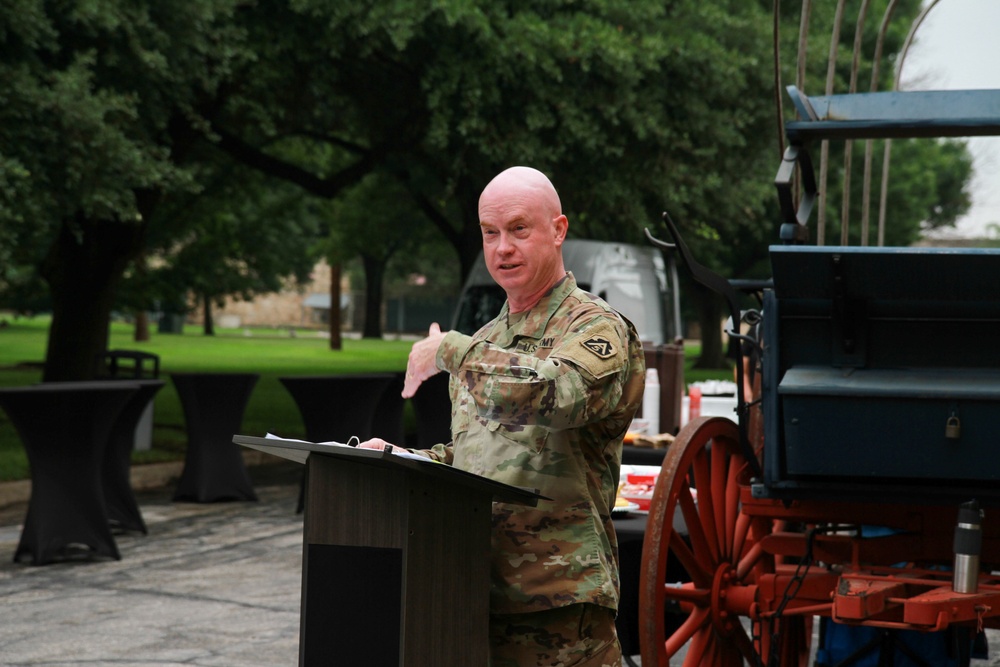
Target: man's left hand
(421, 364)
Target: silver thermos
(968, 546)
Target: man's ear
(561, 225)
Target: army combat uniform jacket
(542, 399)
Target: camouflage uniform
(542, 399)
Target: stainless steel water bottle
(968, 547)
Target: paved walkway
(211, 585)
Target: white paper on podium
(299, 450)
(351, 444)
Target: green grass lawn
(265, 351)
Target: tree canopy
(112, 113)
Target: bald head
(528, 186)
(523, 232)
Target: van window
(480, 304)
(632, 279)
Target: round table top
(68, 387)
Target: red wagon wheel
(701, 475)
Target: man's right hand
(379, 444)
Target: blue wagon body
(879, 407)
(882, 373)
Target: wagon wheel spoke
(741, 530)
(694, 568)
(733, 515)
(693, 624)
(700, 480)
(698, 597)
(720, 501)
(750, 561)
(745, 644)
(707, 544)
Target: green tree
(242, 235)
(89, 143)
(632, 108)
(928, 179)
(376, 222)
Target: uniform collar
(533, 322)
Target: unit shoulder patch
(598, 350)
(600, 346)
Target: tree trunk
(374, 274)
(711, 310)
(83, 268)
(141, 334)
(472, 246)
(336, 342)
(209, 322)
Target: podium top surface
(300, 450)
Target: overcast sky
(957, 47)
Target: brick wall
(277, 309)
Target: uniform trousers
(577, 635)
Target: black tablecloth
(214, 404)
(123, 510)
(336, 407)
(642, 456)
(631, 530)
(64, 427)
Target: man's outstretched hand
(420, 365)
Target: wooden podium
(396, 557)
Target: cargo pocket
(528, 436)
(461, 418)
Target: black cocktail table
(214, 404)
(123, 510)
(64, 427)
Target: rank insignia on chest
(602, 347)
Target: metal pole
(800, 73)
(776, 46)
(824, 158)
(869, 144)
(845, 201)
(888, 142)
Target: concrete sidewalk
(212, 584)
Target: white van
(634, 280)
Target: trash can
(171, 323)
(668, 360)
(132, 365)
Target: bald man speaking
(541, 398)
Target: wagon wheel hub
(723, 581)
(729, 598)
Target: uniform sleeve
(580, 381)
(440, 453)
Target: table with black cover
(432, 406)
(213, 405)
(387, 423)
(644, 456)
(631, 530)
(336, 407)
(64, 427)
(123, 510)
